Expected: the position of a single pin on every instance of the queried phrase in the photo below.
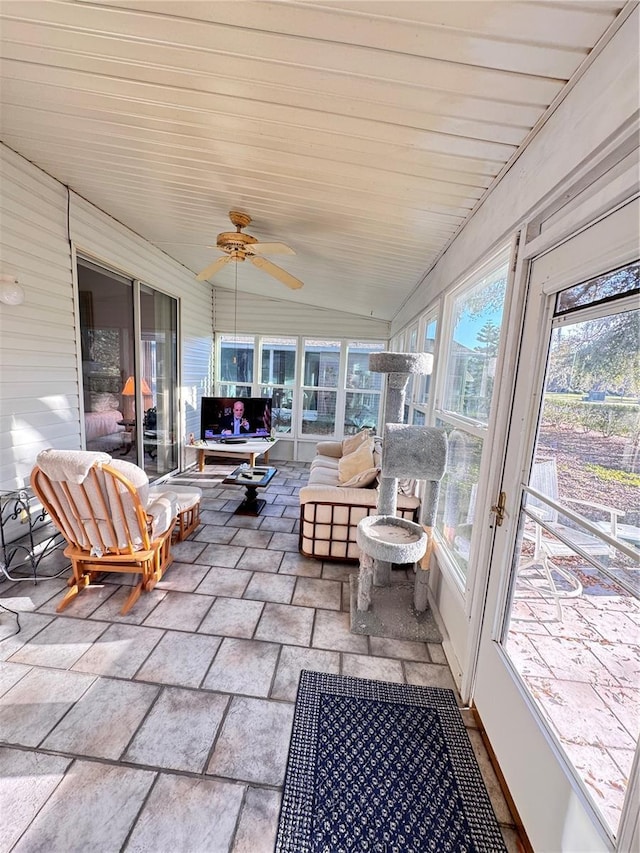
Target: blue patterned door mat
(376, 767)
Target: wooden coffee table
(252, 479)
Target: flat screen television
(252, 418)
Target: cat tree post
(398, 367)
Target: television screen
(235, 417)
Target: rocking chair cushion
(72, 466)
(135, 475)
(163, 509)
(161, 504)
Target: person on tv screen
(236, 423)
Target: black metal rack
(20, 505)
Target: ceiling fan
(238, 246)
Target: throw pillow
(362, 480)
(407, 487)
(353, 463)
(353, 442)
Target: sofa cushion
(353, 442)
(329, 448)
(324, 462)
(363, 479)
(323, 477)
(356, 462)
(407, 487)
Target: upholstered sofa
(332, 503)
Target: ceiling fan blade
(213, 268)
(270, 249)
(277, 272)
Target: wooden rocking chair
(102, 508)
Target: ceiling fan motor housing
(232, 241)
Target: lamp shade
(129, 389)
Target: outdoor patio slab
(28, 779)
(266, 587)
(282, 623)
(181, 611)
(258, 820)
(292, 660)
(119, 651)
(60, 643)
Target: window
(363, 389)
(320, 381)
(418, 396)
(236, 365)
(278, 378)
(428, 345)
(472, 337)
(319, 387)
(412, 346)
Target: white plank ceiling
(362, 134)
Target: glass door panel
(158, 381)
(108, 369)
(129, 383)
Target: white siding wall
(272, 316)
(39, 373)
(38, 365)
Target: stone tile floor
(168, 729)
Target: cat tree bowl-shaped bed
(388, 538)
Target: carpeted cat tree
(378, 606)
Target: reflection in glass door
(159, 379)
(108, 372)
(129, 381)
(573, 627)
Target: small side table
(18, 505)
(252, 479)
(130, 430)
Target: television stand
(251, 450)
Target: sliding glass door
(129, 345)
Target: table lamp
(129, 393)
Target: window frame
(464, 578)
(254, 388)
